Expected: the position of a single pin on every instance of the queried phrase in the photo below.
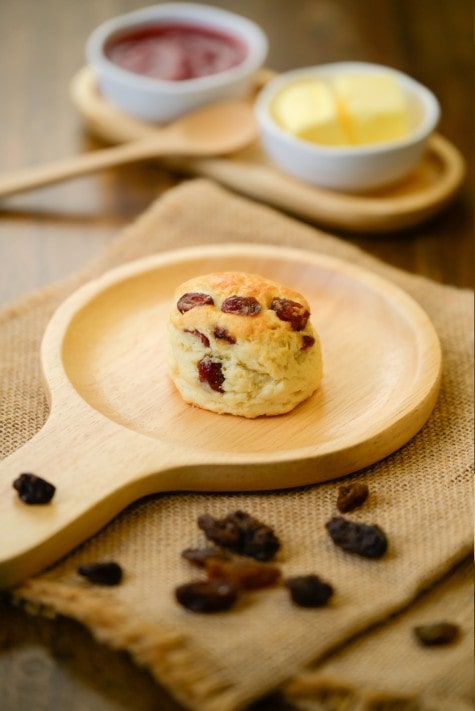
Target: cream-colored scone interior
(242, 344)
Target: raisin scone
(242, 344)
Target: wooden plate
(419, 196)
(119, 430)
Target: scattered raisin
(242, 533)
(223, 334)
(201, 556)
(33, 489)
(307, 342)
(436, 633)
(350, 496)
(291, 311)
(194, 331)
(206, 595)
(192, 299)
(241, 305)
(309, 590)
(366, 540)
(243, 574)
(210, 371)
(102, 573)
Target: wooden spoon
(213, 130)
(118, 430)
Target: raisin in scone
(242, 344)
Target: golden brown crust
(267, 360)
(222, 285)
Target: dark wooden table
(47, 234)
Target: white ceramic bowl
(161, 101)
(347, 168)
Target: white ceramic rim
(236, 25)
(429, 102)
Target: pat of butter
(347, 109)
(373, 107)
(309, 110)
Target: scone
(242, 344)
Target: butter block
(373, 107)
(308, 109)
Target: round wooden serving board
(119, 430)
(419, 196)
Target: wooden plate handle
(97, 471)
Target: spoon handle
(73, 167)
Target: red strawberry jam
(175, 52)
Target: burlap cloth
(355, 653)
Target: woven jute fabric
(384, 670)
(421, 496)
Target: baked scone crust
(258, 356)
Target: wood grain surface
(102, 362)
(429, 187)
(48, 234)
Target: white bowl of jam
(163, 61)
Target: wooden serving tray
(419, 196)
(119, 430)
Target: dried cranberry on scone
(242, 344)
